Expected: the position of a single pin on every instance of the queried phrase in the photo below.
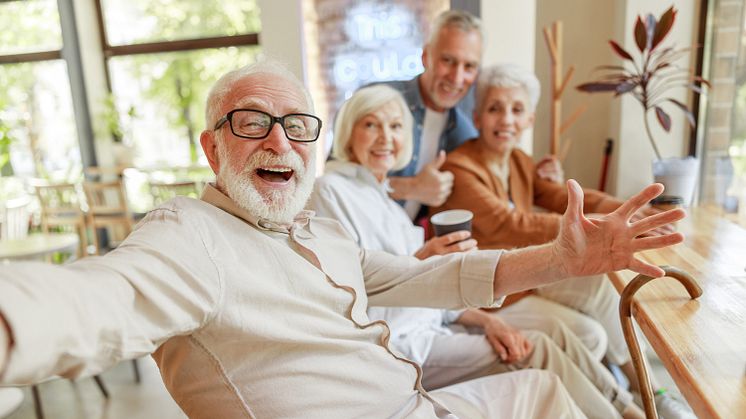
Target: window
(36, 113)
(147, 21)
(162, 58)
(161, 97)
(29, 26)
(724, 133)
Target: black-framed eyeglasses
(255, 125)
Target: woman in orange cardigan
(500, 184)
(497, 181)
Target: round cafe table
(36, 246)
(10, 399)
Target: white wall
(588, 25)
(511, 38)
(282, 33)
(633, 161)
(509, 26)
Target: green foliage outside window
(29, 26)
(137, 21)
(6, 168)
(176, 84)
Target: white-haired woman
(373, 136)
(499, 183)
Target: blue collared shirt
(459, 126)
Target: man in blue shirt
(441, 106)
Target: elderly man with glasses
(254, 308)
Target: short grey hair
(223, 86)
(507, 75)
(364, 101)
(460, 19)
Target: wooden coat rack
(553, 39)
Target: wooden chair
(37, 397)
(625, 315)
(163, 191)
(62, 207)
(107, 208)
(98, 173)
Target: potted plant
(649, 78)
(118, 128)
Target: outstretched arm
(84, 317)
(589, 246)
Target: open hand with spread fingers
(591, 246)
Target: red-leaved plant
(652, 75)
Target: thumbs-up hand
(433, 186)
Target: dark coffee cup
(452, 220)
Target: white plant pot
(124, 155)
(678, 175)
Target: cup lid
(668, 200)
(450, 217)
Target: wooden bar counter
(702, 343)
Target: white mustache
(265, 158)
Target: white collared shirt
(244, 318)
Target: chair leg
(101, 386)
(136, 369)
(37, 402)
(83, 234)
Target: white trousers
(526, 394)
(593, 296)
(462, 356)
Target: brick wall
(350, 43)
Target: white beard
(277, 206)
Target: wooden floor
(63, 399)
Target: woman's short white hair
(507, 75)
(364, 101)
(221, 88)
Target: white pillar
(510, 38)
(281, 37)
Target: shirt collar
(358, 171)
(212, 195)
(417, 102)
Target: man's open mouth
(275, 174)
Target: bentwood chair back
(62, 208)
(107, 208)
(163, 191)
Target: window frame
(190, 44)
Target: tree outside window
(166, 86)
(39, 137)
